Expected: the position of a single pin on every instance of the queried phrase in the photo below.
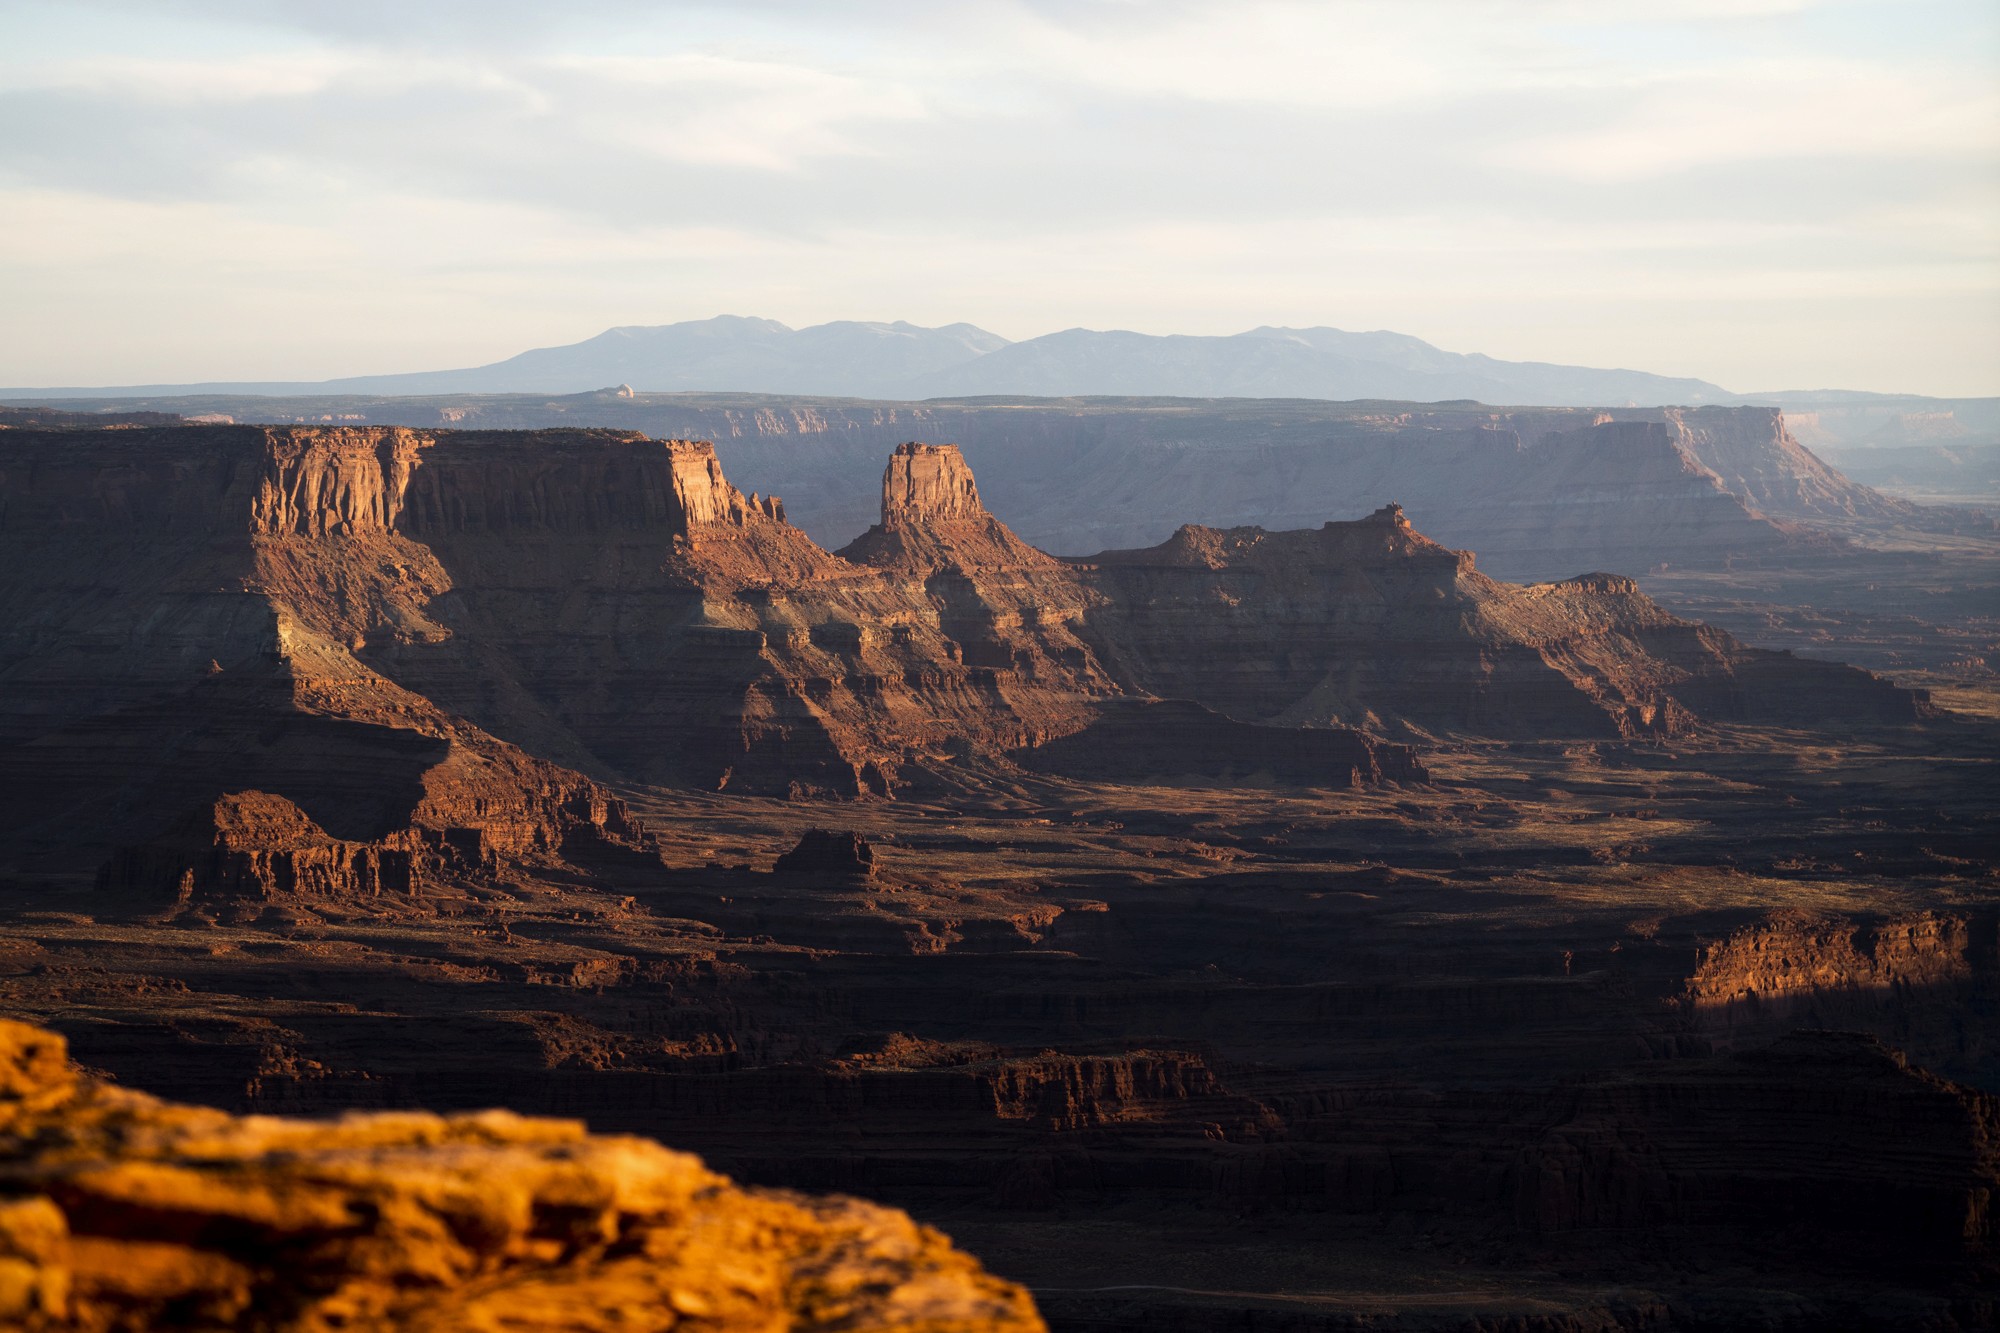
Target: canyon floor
(1919, 606)
(1261, 930)
(1205, 1056)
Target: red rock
(127, 1212)
(1175, 741)
(823, 854)
(392, 612)
(1369, 623)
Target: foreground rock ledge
(121, 1211)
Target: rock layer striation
(127, 1212)
(396, 630)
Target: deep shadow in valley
(1264, 929)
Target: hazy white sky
(1763, 193)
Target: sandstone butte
(375, 658)
(121, 1211)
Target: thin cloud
(713, 109)
(1522, 179)
(1772, 109)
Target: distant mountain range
(904, 361)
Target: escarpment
(1215, 964)
(1804, 969)
(606, 601)
(1754, 454)
(613, 604)
(705, 640)
(1174, 740)
(1539, 493)
(124, 1211)
(1012, 614)
(1369, 623)
(188, 613)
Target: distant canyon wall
(613, 604)
(1538, 493)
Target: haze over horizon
(1763, 194)
(900, 360)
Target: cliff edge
(124, 1211)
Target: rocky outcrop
(1012, 615)
(249, 850)
(607, 601)
(252, 847)
(1755, 455)
(128, 1212)
(928, 483)
(1175, 741)
(42, 418)
(932, 521)
(1540, 493)
(649, 620)
(1370, 623)
(825, 854)
(1801, 969)
(188, 621)
(612, 604)
(572, 482)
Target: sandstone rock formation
(826, 854)
(43, 417)
(1167, 992)
(927, 483)
(250, 848)
(422, 603)
(240, 575)
(932, 520)
(719, 645)
(1370, 622)
(1012, 615)
(1175, 741)
(607, 601)
(127, 1212)
(1755, 455)
(1540, 493)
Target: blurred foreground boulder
(121, 1211)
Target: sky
(1766, 194)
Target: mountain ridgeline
(901, 360)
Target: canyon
(612, 602)
(1725, 513)
(1537, 492)
(1278, 919)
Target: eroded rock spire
(928, 483)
